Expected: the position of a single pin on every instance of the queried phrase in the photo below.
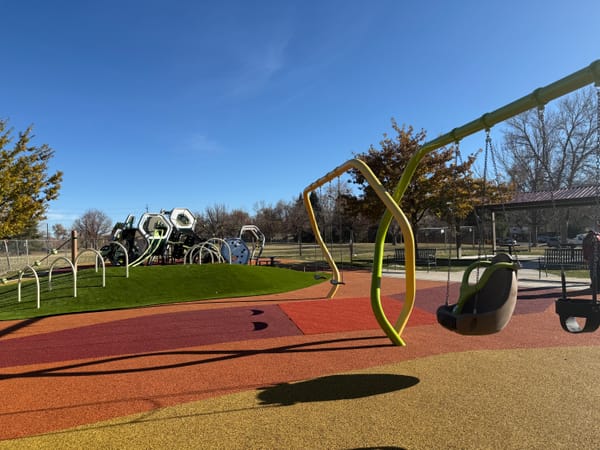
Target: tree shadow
(83, 368)
(385, 447)
(334, 387)
(18, 325)
(550, 293)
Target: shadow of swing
(334, 387)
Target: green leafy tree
(428, 190)
(443, 185)
(26, 187)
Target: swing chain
(449, 246)
(597, 137)
(481, 221)
(595, 251)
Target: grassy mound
(146, 286)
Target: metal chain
(597, 139)
(488, 144)
(595, 261)
(449, 246)
(481, 221)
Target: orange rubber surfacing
(97, 375)
(346, 314)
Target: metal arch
(37, 282)
(213, 251)
(63, 258)
(126, 257)
(208, 247)
(259, 237)
(223, 242)
(98, 255)
(189, 253)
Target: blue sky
(161, 104)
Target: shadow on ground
(334, 387)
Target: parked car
(506, 241)
(553, 241)
(577, 240)
(543, 239)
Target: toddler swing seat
(486, 306)
(569, 310)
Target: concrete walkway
(529, 275)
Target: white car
(577, 240)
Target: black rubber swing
(571, 309)
(487, 306)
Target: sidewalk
(528, 275)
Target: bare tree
(92, 226)
(236, 219)
(215, 218)
(59, 231)
(270, 218)
(551, 149)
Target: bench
(423, 257)
(562, 258)
(267, 260)
(512, 249)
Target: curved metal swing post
(394, 211)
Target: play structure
(169, 236)
(486, 306)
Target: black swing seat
(570, 309)
(487, 306)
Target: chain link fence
(16, 254)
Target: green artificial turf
(146, 286)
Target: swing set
(486, 306)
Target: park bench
(423, 257)
(267, 260)
(566, 258)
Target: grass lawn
(145, 286)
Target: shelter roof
(577, 196)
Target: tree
(270, 218)
(235, 221)
(26, 187)
(440, 186)
(296, 223)
(214, 221)
(59, 231)
(92, 226)
(552, 149)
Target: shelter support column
(493, 232)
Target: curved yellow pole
(392, 208)
(315, 227)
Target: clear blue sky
(164, 104)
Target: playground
(298, 370)
(492, 356)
